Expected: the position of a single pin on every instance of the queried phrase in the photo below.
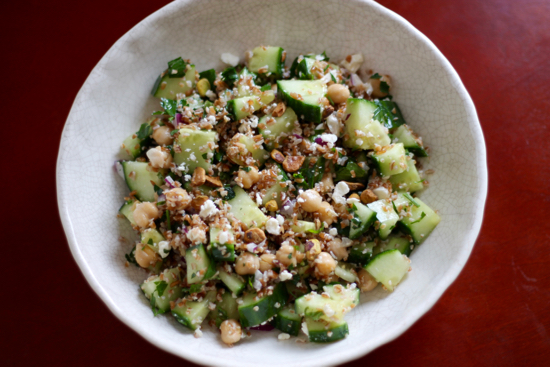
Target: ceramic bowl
(115, 100)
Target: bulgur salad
(268, 196)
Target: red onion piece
(170, 182)
(178, 119)
(320, 141)
(289, 205)
(347, 117)
(298, 136)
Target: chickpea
(339, 93)
(335, 246)
(375, 83)
(266, 262)
(324, 264)
(340, 209)
(231, 331)
(286, 255)
(177, 199)
(145, 213)
(159, 157)
(162, 136)
(327, 213)
(248, 179)
(366, 281)
(310, 201)
(145, 255)
(247, 263)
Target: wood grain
(496, 313)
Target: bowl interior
(115, 100)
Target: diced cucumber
(194, 145)
(243, 107)
(192, 313)
(161, 291)
(288, 321)
(388, 114)
(361, 254)
(370, 131)
(304, 97)
(345, 271)
(259, 154)
(132, 146)
(325, 332)
(245, 209)
(199, 265)
(421, 223)
(168, 87)
(385, 215)
(233, 281)
(152, 237)
(341, 300)
(388, 268)
(138, 176)
(226, 309)
(267, 61)
(409, 180)
(127, 209)
(391, 160)
(255, 310)
(396, 243)
(219, 251)
(301, 67)
(293, 290)
(277, 128)
(303, 226)
(363, 218)
(410, 140)
(275, 191)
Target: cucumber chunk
(342, 299)
(255, 310)
(199, 265)
(221, 251)
(161, 291)
(362, 220)
(410, 140)
(275, 191)
(304, 97)
(276, 129)
(132, 146)
(168, 87)
(226, 309)
(243, 107)
(388, 268)
(267, 61)
(421, 223)
(386, 215)
(245, 209)
(396, 243)
(361, 254)
(361, 118)
(194, 145)
(127, 209)
(288, 321)
(345, 271)
(191, 314)
(391, 160)
(408, 180)
(139, 177)
(303, 226)
(325, 332)
(233, 281)
(259, 154)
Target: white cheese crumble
(328, 311)
(272, 226)
(283, 336)
(330, 139)
(304, 328)
(354, 64)
(198, 333)
(225, 237)
(285, 275)
(381, 192)
(333, 231)
(340, 190)
(164, 248)
(230, 59)
(280, 219)
(208, 209)
(211, 95)
(196, 235)
(333, 124)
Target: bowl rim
(360, 349)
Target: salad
(268, 196)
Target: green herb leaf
(161, 287)
(204, 156)
(158, 113)
(209, 75)
(195, 288)
(384, 87)
(168, 220)
(145, 130)
(158, 190)
(419, 219)
(179, 65)
(230, 76)
(376, 76)
(411, 199)
(317, 231)
(388, 114)
(230, 192)
(325, 57)
(131, 257)
(333, 78)
(344, 173)
(169, 106)
(246, 169)
(174, 132)
(266, 87)
(330, 99)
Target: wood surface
(497, 313)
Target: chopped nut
(199, 177)
(367, 196)
(354, 185)
(277, 156)
(279, 110)
(197, 202)
(255, 235)
(293, 163)
(272, 206)
(213, 181)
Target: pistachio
(292, 163)
(277, 156)
(198, 201)
(203, 86)
(213, 181)
(272, 206)
(367, 196)
(354, 185)
(199, 177)
(279, 110)
(255, 235)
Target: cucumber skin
(285, 325)
(216, 253)
(321, 336)
(249, 317)
(310, 113)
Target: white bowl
(115, 100)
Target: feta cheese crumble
(230, 59)
(208, 209)
(272, 226)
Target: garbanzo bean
(327, 213)
(247, 263)
(231, 331)
(366, 281)
(266, 262)
(145, 213)
(177, 199)
(162, 136)
(145, 255)
(339, 93)
(324, 264)
(310, 201)
(286, 255)
(159, 157)
(248, 179)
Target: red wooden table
(497, 313)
